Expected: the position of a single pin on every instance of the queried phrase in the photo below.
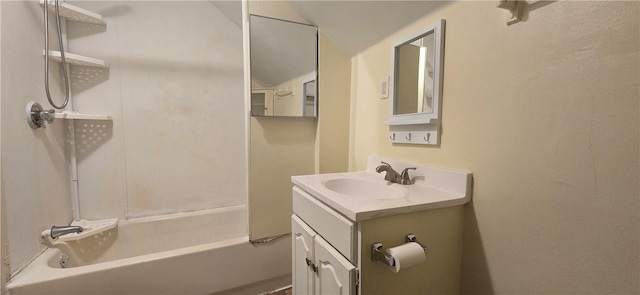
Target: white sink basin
(365, 194)
(366, 188)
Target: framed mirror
(284, 68)
(416, 79)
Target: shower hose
(62, 57)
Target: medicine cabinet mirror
(284, 73)
(416, 85)
(417, 71)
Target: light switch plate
(384, 88)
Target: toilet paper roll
(406, 255)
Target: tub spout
(57, 231)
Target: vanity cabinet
(318, 268)
(332, 254)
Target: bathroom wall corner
(334, 80)
(279, 147)
(35, 177)
(4, 268)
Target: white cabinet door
(302, 244)
(335, 274)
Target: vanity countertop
(365, 194)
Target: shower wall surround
(175, 91)
(35, 177)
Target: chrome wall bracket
(378, 254)
(36, 115)
(412, 238)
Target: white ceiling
(352, 25)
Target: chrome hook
(393, 136)
(428, 138)
(408, 137)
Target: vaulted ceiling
(352, 25)
(356, 25)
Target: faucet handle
(384, 164)
(404, 176)
(48, 115)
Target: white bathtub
(202, 252)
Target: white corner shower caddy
(36, 115)
(77, 14)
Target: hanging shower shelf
(76, 14)
(78, 116)
(74, 59)
(77, 60)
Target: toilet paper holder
(377, 254)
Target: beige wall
(280, 147)
(332, 143)
(545, 114)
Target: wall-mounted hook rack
(428, 137)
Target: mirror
(284, 75)
(309, 96)
(417, 75)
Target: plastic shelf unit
(78, 116)
(77, 60)
(76, 14)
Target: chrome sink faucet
(393, 176)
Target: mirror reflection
(414, 75)
(283, 68)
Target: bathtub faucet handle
(57, 231)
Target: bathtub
(203, 252)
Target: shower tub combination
(203, 252)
